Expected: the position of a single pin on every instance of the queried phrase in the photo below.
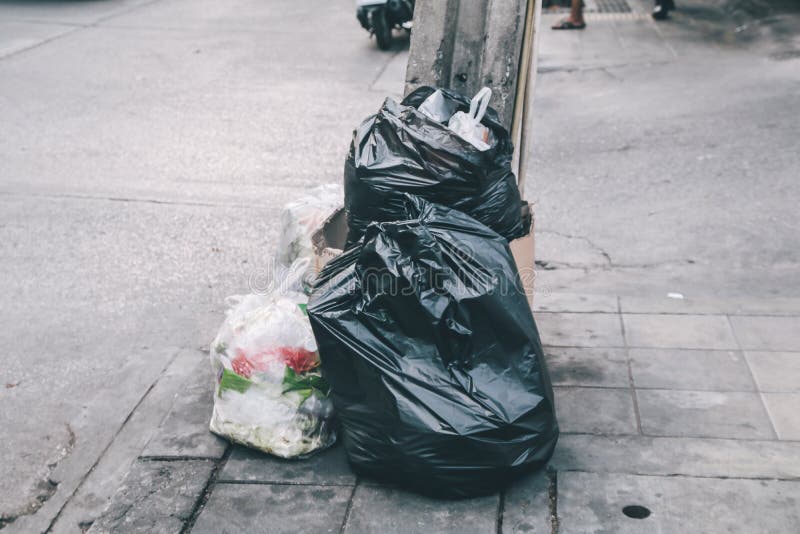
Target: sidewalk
(685, 408)
(664, 162)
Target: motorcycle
(382, 16)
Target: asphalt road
(146, 148)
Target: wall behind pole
(468, 44)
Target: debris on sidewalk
(301, 217)
(270, 394)
(433, 356)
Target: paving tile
(661, 303)
(690, 369)
(570, 366)
(184, 431)
(580, 329)
(784, 410)
(707, 414)
(273, 508)
(527, 505)
(722, 306)
(769, 306)
(703, 457)
(595, 410)
(328, 467)
(775, 371)
(156, 497)
(767, 333)
(592, 502)
(679, 331)
(387, 510)
(571, 302)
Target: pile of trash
(433, 356)
(417, 337)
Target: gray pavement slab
(784, 409)
(775, 371)
(89, 433)
(656, 159)
(184, 431)
(662, 303)
(589, 51)
(571, 250)
(604, 367)
(707, 414)
(595, 410)
(679, 331)
(713, 305)
(590, 502)
(724, 370)
(777, 305)
(528, 505)
(580, 329)
(767, 333)
(571, 302)
(156, 497)
(326, 468)
(96, 491)
(702, 457)
(387, 510)
(273, 508)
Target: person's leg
(576, 12)
(575, 19)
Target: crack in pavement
(585, 239)
(552, 493)
(56, 196)
(46, 486)
(550, 265)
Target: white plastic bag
(302, 217)
(438, 108)
(269, 393)
(468, 125)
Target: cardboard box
(329, 241)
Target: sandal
(567, 24)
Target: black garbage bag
(400, 150)
(433, 356)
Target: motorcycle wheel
(382, 28)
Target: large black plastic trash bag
(434, 360)
(400, 150)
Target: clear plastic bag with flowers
(269, 392)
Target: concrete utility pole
(468, 44)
